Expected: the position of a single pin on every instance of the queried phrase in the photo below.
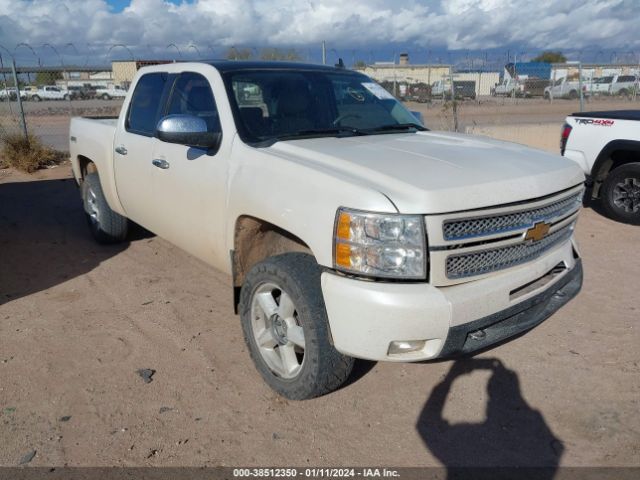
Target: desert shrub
(27, 154)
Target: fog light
(407, 346)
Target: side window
(146, 103)
(192, 96)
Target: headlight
(380, 244)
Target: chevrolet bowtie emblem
(537, 232)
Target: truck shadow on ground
(44, 237)
(513, 435)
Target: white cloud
(148, 26)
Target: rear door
(133, 147)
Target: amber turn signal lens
(343, 255)
(344, 226)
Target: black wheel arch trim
(605, 155)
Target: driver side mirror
(187, 130)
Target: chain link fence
(492, 95)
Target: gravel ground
(79, 322)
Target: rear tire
(285, 326)
(573, 94)
(106, 225)
(36, 98)
(620, 195)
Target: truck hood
(436, 172)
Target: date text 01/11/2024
(315, 473)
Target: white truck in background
(109, 92)
(348, 229)
(625, 85)
(508, 87)
(564, 88)
(606, 145)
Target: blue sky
(369, 30)
(118, 5)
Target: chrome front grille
(501, 223)
(491, 260)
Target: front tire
(621, 194)
(106, 225)
(285, 326)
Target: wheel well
(610, 162)
(86, 166)
(255, 240)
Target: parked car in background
(507, 88)
(109, 92)
(598, 85)
(606, 145)
(564, 88)
(533, 87)
(29, 91)
(625, 85)
(47, 92)
(81, 92)
(463, 89)
(347, 228)
(11, 94)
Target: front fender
(295, 195)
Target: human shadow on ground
(44, 237)
(513, 442)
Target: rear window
(146, 103)
(626, 78)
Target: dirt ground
(78, 320)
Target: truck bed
(612, 114)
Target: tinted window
(192, 96)
(271, 104)
(626, 78)
(146, 103)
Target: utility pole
(324, 52)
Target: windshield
(272, 105)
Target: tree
(550, 57)
(360, 65)
(277, 54)
(47, 78)
(238, 54)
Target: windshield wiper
(397, 127)
(321, 132)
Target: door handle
(121, 150)
(163, 164)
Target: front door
(189, 183)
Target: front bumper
(492, 329)
(366, 316)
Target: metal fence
(489, 94)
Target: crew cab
(625, 85)
(48, 92)
(606, 146)
(348, 229)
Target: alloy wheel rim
(92, 206)
(277, 330)
(626, 195)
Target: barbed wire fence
(499, 93)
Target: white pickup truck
(348, 229)
(564, 88)
(606, 145)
